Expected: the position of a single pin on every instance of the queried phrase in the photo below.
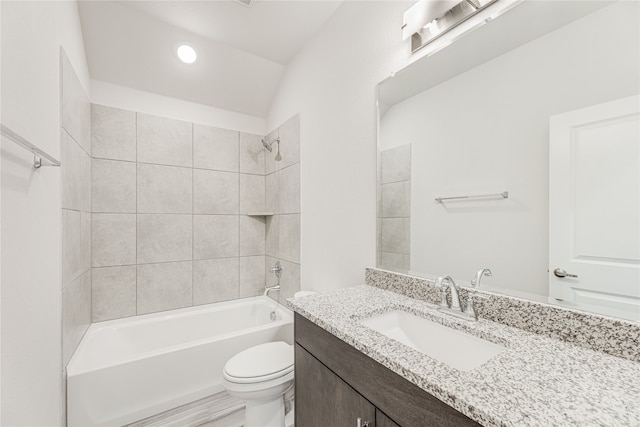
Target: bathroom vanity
(337, 384)
(348, 374)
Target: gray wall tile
(75, 198)
(289, 238)
(251, 154)
(164, 286)
(271, 165)
(289, 142)
(252, 276)
(394, 261)
(215, 148)
(113, 133)
(85, 240)
(272, 232)
(71, 246)
(270, 277)
(396, 164)
(215, 280)
(251, 193)
(215, 192)
(215, 236)
(164, 141)
(76, 109)
(395, 235)
(113, 186)
(188, 237)
(76, 314)
(271, 194)
(252, 235)
(113, 239)
(289, 189)
(164, 238)
(113, 292)
(164, 189)
(396, 198)
(75, 176)
(289, 282)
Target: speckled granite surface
(613, 336)
(536, 381)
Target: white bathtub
(128, 369)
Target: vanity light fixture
(187, 53)
(427, 20)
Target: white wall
(332, 84)
(486, 131)
(32, 33)
(112, 95)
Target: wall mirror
(533, 115)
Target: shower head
(268, 145)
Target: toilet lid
(263, 362)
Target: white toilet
(261, 375)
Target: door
(594, 208)
(323, 399)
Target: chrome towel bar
(38, 154)
(504, 195)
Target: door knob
(360, 423)
(561, 273)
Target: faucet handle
(470, 309)
(277, 270)
(443, 300)
(443, 287)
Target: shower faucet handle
(277, 269)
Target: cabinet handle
(360, 423)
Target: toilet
(261, 376)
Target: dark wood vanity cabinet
(327, 400)
(337, 384)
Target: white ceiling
(242, 50)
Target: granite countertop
(536, 381)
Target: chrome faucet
(482, 272)
(455, 297)
(277, 270)
(268, 289)
(455, 307)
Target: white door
(594, 208)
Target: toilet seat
(261, 363)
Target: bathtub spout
(268, 289)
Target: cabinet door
(383, 421)
(323, 399)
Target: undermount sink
(450, 346)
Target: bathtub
(125, 370)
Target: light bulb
(187, 54)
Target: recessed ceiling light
(187, 54)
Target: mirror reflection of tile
(395, 208)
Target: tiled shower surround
(170, 201)
(75, 188)
(75, 201)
